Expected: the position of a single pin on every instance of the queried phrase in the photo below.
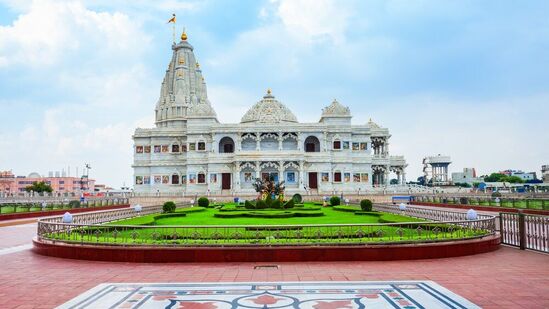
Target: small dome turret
(269, 110)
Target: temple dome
(269, 110)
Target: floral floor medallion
(315, 295)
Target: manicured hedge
(255, 214)
(347, 208)
(191, 209)
(308, 214)
(170, 215)
(269, 214)
(367, 213)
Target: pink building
(11, 184)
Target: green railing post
(522, 230)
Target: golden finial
(197, 65)
(269, 91)
(183, 35)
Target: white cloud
(50, 31)
(315, 19)
(95, 59)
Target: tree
(394, 181)
(495, 177)
(514, 179)
(40, 187)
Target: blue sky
(465, 78)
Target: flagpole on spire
(172, 21)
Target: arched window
(175, 179)
(226, 145)
(312, 144)
(201, 178)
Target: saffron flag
(172, 20)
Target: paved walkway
(507, 278)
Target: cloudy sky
(468, 79)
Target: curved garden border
(58, 239)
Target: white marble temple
(191, 152)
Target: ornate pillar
(325, 141)
(257, 141)
(239, 142)
(257, 169)
(280, 137)
(301, 172)
(280, 171)
(236, 177)
(299, 141)
(403, 177)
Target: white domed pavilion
(190, 152)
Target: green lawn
(199, 226)
(206, 217)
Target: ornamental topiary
(276, 204)
(203, 202)
(168, 207)
(366, 205)
(289, 204)
(249, 205)
(297, 198)
(260, 204)
(496, 194)
(335, 200)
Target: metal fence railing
(540, 203)
(90, 229)
(17, 206)
(525, 231)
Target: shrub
(260, 204)
(335, 200)
(297, 198)
(496, 194)
(289, 204)
(366, 205)
(276, 204)
(169, 206)
(249, 205)
(463, 200)
(74, 204)
(203, 202)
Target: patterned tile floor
(506, 278)
(282, 295)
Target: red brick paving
(507, 278)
